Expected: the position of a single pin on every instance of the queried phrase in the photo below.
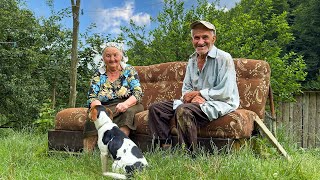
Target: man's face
(202, 39)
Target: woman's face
(112, 57)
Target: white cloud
(109, 20)
(141, 19)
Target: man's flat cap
(205, 23)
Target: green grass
(24, 155)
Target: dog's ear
(93, 113)
(109, 113)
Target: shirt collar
(213, 52)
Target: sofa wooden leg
(89, 143)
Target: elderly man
(209, 91)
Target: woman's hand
(121, 107)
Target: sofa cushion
(71, 119)
(238, 124)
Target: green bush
(46, 118)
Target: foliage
(306, 29)
(25, 156)
(21, 93)
(170, 41)
(46, 118)
(264, 35)
(313, 84)
(56, 62)
(34, 63)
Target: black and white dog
(125, 153)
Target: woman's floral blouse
(127, 85)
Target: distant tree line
(35, 52)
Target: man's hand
(198, 99)
(187, 98)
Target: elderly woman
(115, 85)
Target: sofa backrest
(164, 82)
(161, 81)
(253, 80)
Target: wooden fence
(301, 119)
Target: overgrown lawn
(24, 155)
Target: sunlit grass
(24, 155)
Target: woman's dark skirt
(121, 119)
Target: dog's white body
(125, 153)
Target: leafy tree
(35, 61)
(256, 30)
(138, 41)
(306, 28)
(22, 87)
(56, 63)
(170, 41)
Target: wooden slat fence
(301, 119)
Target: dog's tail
(115, 175)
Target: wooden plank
(291, 122)
(270, 136)
(318, 121)
(279, 114)
(297, 121)
(286, 124)
(312, 119)
(305, 122)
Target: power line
(124, 9)
(12, 42)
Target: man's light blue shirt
(216, 83)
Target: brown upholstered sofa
(163, 82)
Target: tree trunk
(54, 93)
(74, 53)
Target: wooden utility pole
(74, 53)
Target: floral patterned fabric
(71, 119)
(164, 82)
(102, 89)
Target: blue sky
(109, 15)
